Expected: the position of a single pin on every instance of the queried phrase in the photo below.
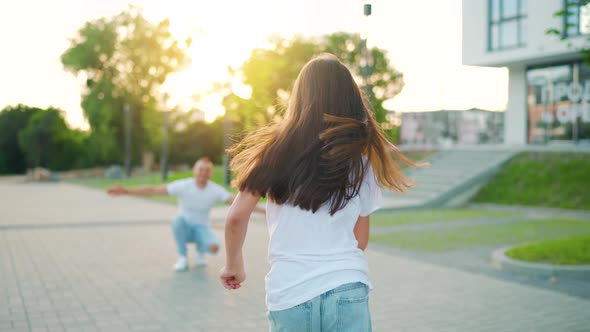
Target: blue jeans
(185, 232)
(344, 308)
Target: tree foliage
(583, 50)
(124, 60)
(48, 142)
(34, 137)
(192, 138)
(12, 120)
(270, 73)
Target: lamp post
(227, 128)
(575, 85)
(164, 152)
(127, 113)
(367, 10)
(166, 106)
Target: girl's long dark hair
(316, 155)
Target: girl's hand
(232, 278)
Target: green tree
(124, 59)
(12, 120)
(48, 142)
(271, 72)
(192, 138)
(382, 81)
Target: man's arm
(230, 200)
(361, 232)
(119, 190)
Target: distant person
(321, 168)
(196, 197)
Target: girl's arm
(236, 225)
(361, 232)
(257, 208)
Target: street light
(164, 153)
(127, 113)
(227, 128)
(166, 108)
(367, 9)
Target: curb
(503, 262)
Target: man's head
(202, 170)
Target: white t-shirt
(195, 203)
(312, 253)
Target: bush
(48, 142)
(12, 121)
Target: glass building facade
(558, 103)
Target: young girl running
(321, 168)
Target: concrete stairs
(451, 179)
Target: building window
(577, 17)
(508, 24)
(558, 103)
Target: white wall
(515, 116)
(540, 47)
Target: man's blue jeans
(185, 232)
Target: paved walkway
(107, 277)
(477, 259)
(450, 224)
(521, 214)
(535, 212)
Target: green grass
(149, 180)
(434, 216)
(482, 235)
(569, 251)
(547, 179)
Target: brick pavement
(120, 278)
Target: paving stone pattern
(119, 278)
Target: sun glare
(213, 50)
(223, 35)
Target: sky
(422, 38)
